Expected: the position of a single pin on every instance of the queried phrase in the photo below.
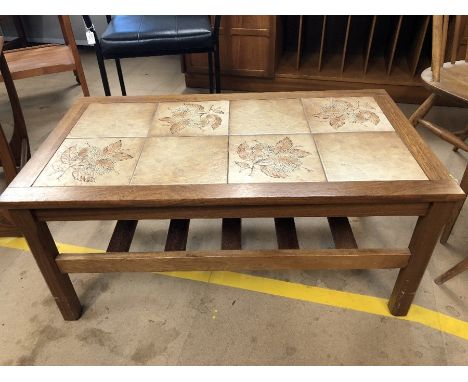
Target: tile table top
(280, 140)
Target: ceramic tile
(275, 116)
(274, 158)
(347, 114)
(191, 119)
(114, 120)
(366, 156)
(182, 160)
(92, 162)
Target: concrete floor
(152, 319)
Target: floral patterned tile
(272, 116)
(347, 114)
(274, 158)
(89, 162)
(114, 120)
(191, 119)
(183, 160)
(366, 156)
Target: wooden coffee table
(282, 155)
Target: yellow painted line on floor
(296, 291)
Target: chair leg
(102, 70)
(210, 71)
(121, 79)
(422, 110)
(463, 134)
(456, 211)
(452, 272)
(217, 69)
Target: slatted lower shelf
(232, 260)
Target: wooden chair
(15, 153)
(446, 79)
(49, 58)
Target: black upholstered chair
(143, 36)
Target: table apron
(217, 212)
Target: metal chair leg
(102, 70)
(217, 69)
(120, 74)
(210, 71)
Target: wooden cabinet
(245, 48)
(270, 53)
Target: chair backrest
(441, 25)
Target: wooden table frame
(431, 200)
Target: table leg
(421, 246)
(45, 251)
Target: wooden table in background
(329, 154)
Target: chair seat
(139, 36)
(453, 80)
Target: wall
(46, 29)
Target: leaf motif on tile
(276, 161)
(193, 116)
(338, 112)
(70, 155)
(88, 162)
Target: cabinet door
(247, 47)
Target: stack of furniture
(271, 53)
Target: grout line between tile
(305, 116)
(320, 157)
(152, 120)
(138, 160)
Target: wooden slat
(369, 43)
(393, 45)
(286, 235)
(324, 210)
(444, 39)
(322, 42)
(122, 236)
(299, 42)
(36, 61)
(342, 233)
(456, 39)
(416, 49)
(437, 54)
(232, 260)
(345, 45)
(231, 236)
(177, 235)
